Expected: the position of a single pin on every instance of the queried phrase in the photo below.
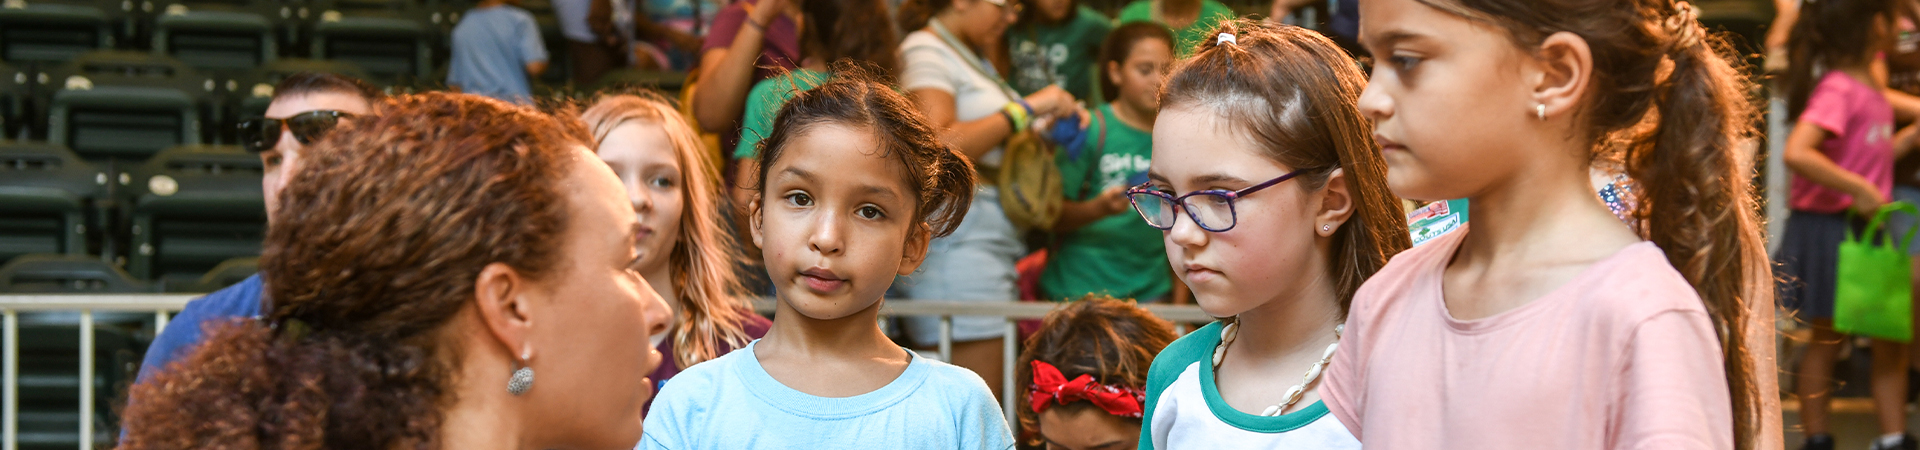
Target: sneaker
(1818, 442)
(1906, 443)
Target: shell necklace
(1232, 330)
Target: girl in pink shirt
(1841, 152)
(1550, 323)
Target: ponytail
(1697, 204)
(249, 386)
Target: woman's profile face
(591, 353)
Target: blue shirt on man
(491, 49)
(186, 330)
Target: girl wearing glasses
(1261, 125)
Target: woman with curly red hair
(434, 257)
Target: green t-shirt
(764, 102)
(1119, 255)
(1064, 54)
(1212, 13)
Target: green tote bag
(1874, 295)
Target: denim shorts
(975, 263)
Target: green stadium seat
(127, 105)
(192, 208)
(46, 196)
(52, 32)
(215, 40)
(393, 48)
(16, 92)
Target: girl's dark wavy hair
(394, 216)
(1669, 99)
(941, 178)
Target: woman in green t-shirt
(1192, 21)
(1055, 43)
(1102, 247)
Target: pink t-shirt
(1861, 121)
(1621, 357)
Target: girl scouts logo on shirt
(1119, 170)
(1436, 219)
(1036, 63)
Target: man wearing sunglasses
(305, 107)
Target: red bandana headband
(1050, 387)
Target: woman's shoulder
(920, 39)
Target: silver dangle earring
(1540, 111)
(522, 379)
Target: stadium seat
(192, 208)
(42, 33)
(127, 105)
(215, 40)
(393, 48)
(46, 196)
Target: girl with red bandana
(1086, 373)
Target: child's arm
(1074, 215)
(1903, 141)
(1804, 158)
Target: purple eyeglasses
(1212, 212)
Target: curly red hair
(389, 222)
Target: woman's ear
(915, 251)
(501, 297)
(1113, 72)
(1559, 74)
(1336, 204)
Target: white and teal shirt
(1184, 408)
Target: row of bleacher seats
(168, 220)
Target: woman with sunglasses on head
(974, 110)
(305, 107)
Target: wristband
(1018, 115)
(756, 25)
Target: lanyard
(972, 60)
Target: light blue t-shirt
(491, 49)
(731, 402)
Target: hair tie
(1226, 39)
(1682, 27)
(1050, 387)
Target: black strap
(1093, 163)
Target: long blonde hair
(712, 306)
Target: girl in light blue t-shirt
(853, 185)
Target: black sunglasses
(261, 134)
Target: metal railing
(12, 305)
(163, 305)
